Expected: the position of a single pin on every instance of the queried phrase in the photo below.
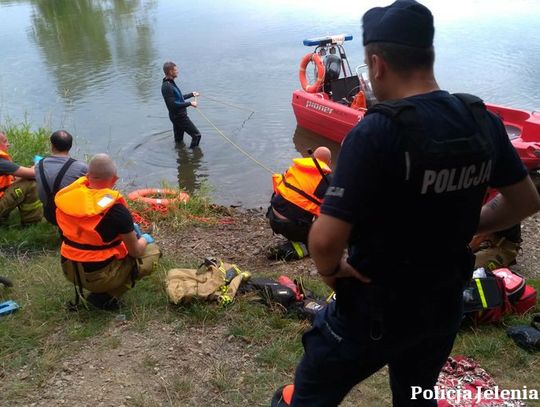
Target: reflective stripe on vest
(298, 184)
(30, 206)
(5, 179)
(79, 209)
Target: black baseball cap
(404, 22)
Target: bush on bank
(26, 142)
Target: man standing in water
(176, 104)
(406, 198)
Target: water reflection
(304, 140)
(94, 66)
(81, 40)
(190, 176)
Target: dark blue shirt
(174, 99)
(393, 225)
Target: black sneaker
(104, 301)
(195, 141)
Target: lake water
(93, 67)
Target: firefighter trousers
(22, 194)
(118, 276)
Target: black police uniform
(176, 104)
(411, 179)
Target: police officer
(407, 198)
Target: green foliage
(25, 142)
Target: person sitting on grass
(57, 172)
(17, 188)
(296, 201)
(102, 250)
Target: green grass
(42, 333)
(15, 239)
(25, 142)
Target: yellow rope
(235, 145)
(226, 103)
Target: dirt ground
(187, 366)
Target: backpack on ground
(526, 302)
(485, 299)
(514, 283)
(522, 297)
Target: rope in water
(248, 155)
(226, 103)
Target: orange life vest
(299, 183)
(79, 210)
(5, 179)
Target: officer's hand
(194, 104)
(195, 93)
(345, 271)
(138, 231)
(149, 239)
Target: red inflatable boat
(337, 99)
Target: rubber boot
(289, 251)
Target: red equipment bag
(485, 299)
(526, 302)
(514, 283)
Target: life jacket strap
(300, 192)
(91, 247)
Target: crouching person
(296, 201)
(101, 250)
(17, 188)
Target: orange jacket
(5, 179)
(79, 210)
(299, 183)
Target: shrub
(25, 142)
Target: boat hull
(317, 113)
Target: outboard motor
(332, 64)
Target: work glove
(149, 239)
(37, 158)
(138, 231)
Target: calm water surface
(94, 67)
